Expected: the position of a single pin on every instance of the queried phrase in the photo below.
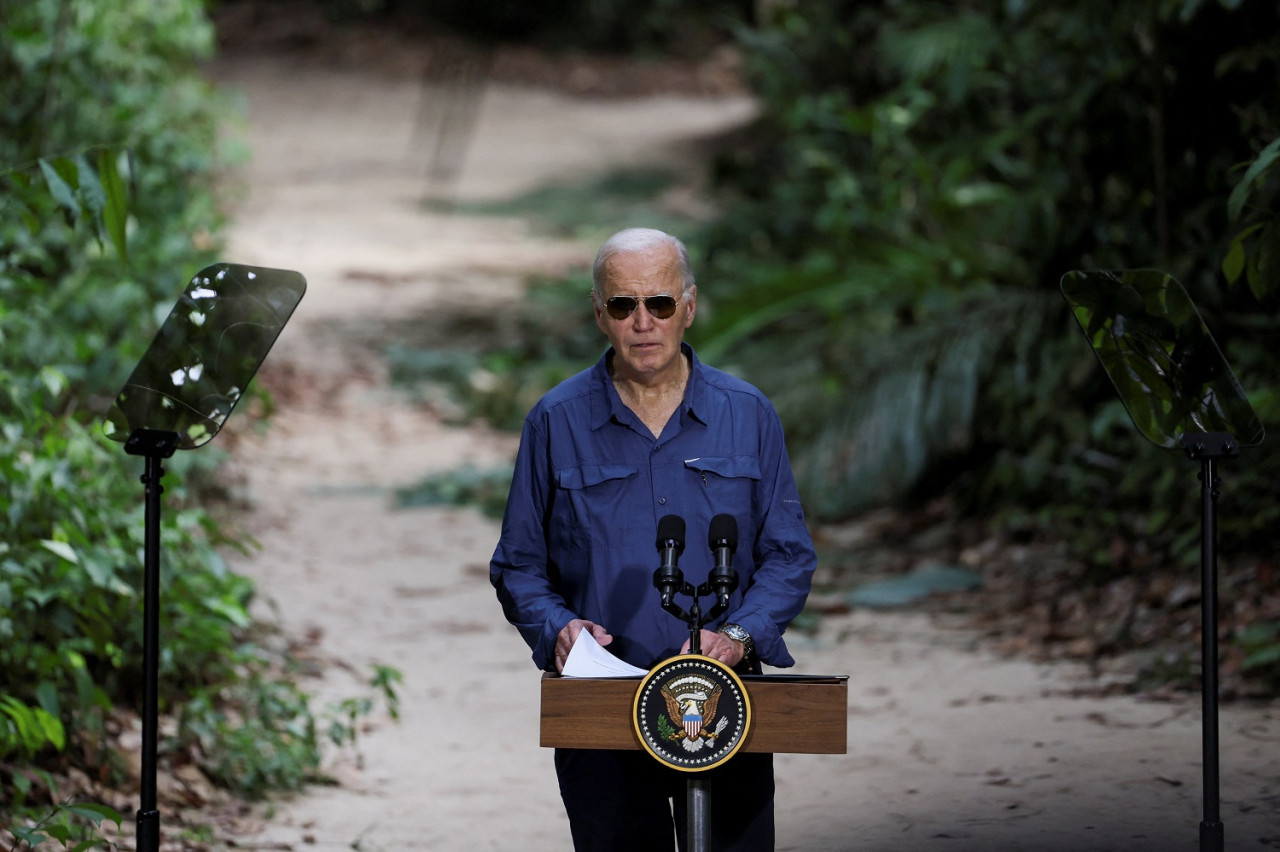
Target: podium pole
(697, 818)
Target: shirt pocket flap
(587, 475)
(730, 467)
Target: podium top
(792, 713)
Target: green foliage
(919, 181)
(254, 735)
(345, 717)
(26, 730)
(921, 178)
(260, 733)
(75, 825)
(1260, 645)
(107, 160)
(1254, 252)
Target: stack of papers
(588, 659)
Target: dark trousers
(619, 801)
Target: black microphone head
(723, 532)
(671, 530)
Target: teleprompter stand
(154, 445)
(1179, 391)
(178, 396)
(1207, 448)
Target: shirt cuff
(767, 639)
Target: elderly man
(651, 431)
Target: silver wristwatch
(736, 631)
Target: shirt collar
(605, 402)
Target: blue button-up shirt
(590, 483)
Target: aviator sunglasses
(659, 307)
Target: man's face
(646, 347)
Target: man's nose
(643, 319)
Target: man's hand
(569, 635)
(717, 646)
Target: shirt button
(662, 501)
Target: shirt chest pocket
(588, 497)
(730, 483)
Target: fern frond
(908, 398)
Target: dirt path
(949, 748)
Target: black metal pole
(148, 831)
(695, 625)
(697, 812)
(154, 445)
(1211, 829)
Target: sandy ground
(949, 748)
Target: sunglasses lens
(621, 307)
(661, 307)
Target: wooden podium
(791, 713)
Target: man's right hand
(569, 635)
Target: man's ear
(692, 306)
(598, 312)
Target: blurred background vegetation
(885, 263)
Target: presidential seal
(691, 713)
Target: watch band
(739, 633)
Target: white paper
(588, 659)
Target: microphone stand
(694, 617)
(670, 581)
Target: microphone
(723, 541)
(668, 578)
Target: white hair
(639, 239)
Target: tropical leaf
(906, 399)
(1240, 195)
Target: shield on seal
(692, 723)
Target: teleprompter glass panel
(1161, 358)
(206, 352)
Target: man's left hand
(717, 646)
